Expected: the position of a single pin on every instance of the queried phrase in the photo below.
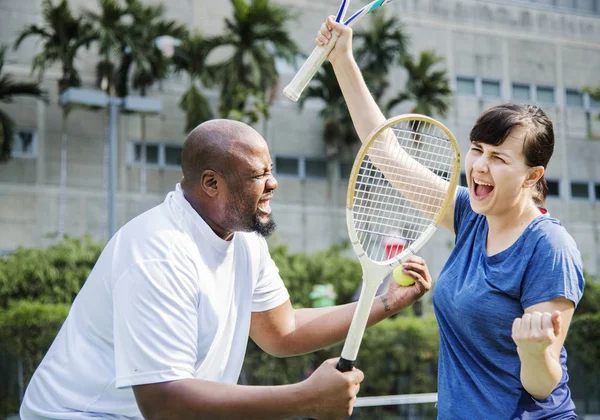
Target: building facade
(545, 52)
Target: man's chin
(264, 227)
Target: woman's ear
(535, 174)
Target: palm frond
(256, 32)
(196, 107)
(62, 35)
(9, 88)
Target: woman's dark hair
(495, 124)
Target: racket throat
(359, 323)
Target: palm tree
(10, 88)
(428, 88)
(111, 33)
(257, 34)
(380, 46)
(150, 64)
(338, 130)
(190, 58)
(111, 26)
(62, 35)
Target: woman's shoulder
(549, 233)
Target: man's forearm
(317, 328)
(197, 399)
(540, 373)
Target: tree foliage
(63, 34)
(256, 35)
(427, 87)
(37, 287)
(51, 275)
(301, 272)
(190, 58)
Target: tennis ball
(401, 278)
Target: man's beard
(264, 229)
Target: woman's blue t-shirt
(476, 300)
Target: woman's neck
(519, 218)
(505, 229)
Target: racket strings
(401, 186)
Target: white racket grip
(309, 68)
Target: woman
(506, 296)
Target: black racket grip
(345, 365)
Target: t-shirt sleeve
(554, 270)
(462, 208)
(270, 291)
(155, 324)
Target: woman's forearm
(540, 373)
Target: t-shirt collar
(198, 221)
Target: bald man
(160, 327)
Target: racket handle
(345, 365)
(309, 68)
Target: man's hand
(399, 297)
(331, 393)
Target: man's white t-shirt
(167, 300)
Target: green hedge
(37, 287)
(583, 343)
(301, 272)
(50, 275)
(27, 330)
(398, 355)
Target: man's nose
(271, 183)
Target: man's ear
(535, 174)
(209, 182)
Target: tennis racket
(402, 182)
(319, 54)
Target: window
(574, 98)
(465, 86)
(173, 155)
(463, 180)
(315, 167)
(545, 94)
(287, 166)
(579, 190)
(521, 92)
(490, 88)
(597, 190)
(151, 153)
(588, 5)
(553, 187)
(594, 103)
(161, 155)
(24, 144)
